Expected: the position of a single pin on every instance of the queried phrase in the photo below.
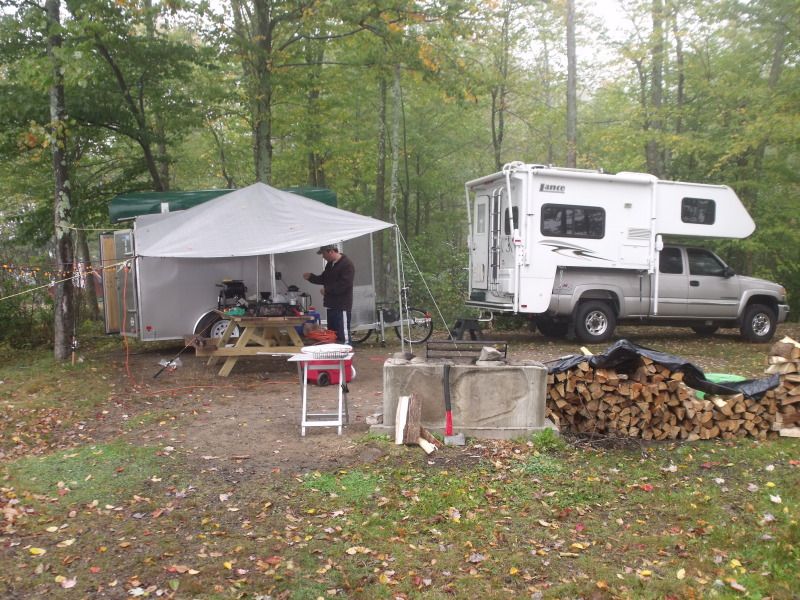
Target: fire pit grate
(462, 349)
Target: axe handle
(448, 411)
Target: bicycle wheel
(417, 329)
(360, 336)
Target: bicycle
(414, 327)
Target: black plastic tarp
(624, 356)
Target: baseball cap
(327, 248)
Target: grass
(102, 473)
(98, 516)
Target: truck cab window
(507, 226)
(670, 261)
(561, 220)
(703, 262)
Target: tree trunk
(315, 53)
(380, 187)
(680, 65)
(162, 156)
(262, 118)
(500, 91)
(572, 94)
(64, 308)
(653, 148)
(84, 258)
(394, 183)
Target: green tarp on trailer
(132, 204)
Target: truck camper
(582, 251)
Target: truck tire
(551, 328)
(759, 323)
(704, 330)
(594, 322)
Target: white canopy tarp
(252, 221)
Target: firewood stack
(651, 402)
(784, 359)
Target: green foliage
(548, 441)
(26, 318)
(350, 486)
(172, 88)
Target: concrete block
(500, 401)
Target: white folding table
(311, 362)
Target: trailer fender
(211, 324)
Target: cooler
(324, 368)
(326, 372)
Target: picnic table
(267, 336)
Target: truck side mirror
(728, 272)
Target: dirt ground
(249, 421)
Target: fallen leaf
(37, 551)
(69, 583)
(736, 586)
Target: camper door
(492, 249)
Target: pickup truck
(695, 289)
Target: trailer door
(120, 306)
(108, 257)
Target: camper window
(480, 218)
(507, 227)
(561, 220)
(698, 210)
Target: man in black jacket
(337, 291)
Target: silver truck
(696, 289)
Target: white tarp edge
(252, 221)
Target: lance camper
(582, 251)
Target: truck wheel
(552, 328)
(594, 322)
(759, 323)
(704, 330)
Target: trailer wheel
(704, 330)
(551, 328)
(594, 322)
(213, 326)
(759, 323)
